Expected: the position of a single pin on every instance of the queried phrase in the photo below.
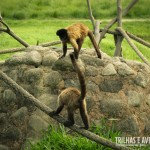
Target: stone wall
(117, 89)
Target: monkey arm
(75, 46)
(64, 50)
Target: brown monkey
(75, 35)
(73, 99)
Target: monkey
(73, 99)
(75, 35)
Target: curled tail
(91, 36)
(80, 76)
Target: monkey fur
(75, 35)
(73, 99)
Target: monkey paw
(53, 113)
(68, 123)
(86, 128)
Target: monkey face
(62, 33)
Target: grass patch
(45, 31)
(20, 9)
(59, 139)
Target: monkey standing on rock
(73, 99)
(75, 35)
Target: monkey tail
(80, 77)
(92, 38)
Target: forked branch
(8, 30)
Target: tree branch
(125, 11)
(90, 14)
(124, 34)
(7, 30)
(96, 31)
(18, 49)
(119, 38)
(132, 36)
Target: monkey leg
(84, 116)
(58, 110)
(70, 120)
(79, 42)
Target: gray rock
(34, 75)
(92, 61)
(33, 58)
(36, 48)
(112, 86)
(52, 79)
(12, 133)
(16, 59)
(109, 70)
(37, 124)
(134, 98)
(21, 71)
(13, 75)
(20, 116)
(63, 64)
(91, 71)
(141, 79)
(49, 100)
(113, 107)
(92, 87)
(49, 58)
(129, 126)
(9, 96)
(123, 69)
(45, 117)
(29, 58)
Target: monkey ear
(61, 32)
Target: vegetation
(44, 9)
(58, 139)
(44, 31)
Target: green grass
(45, 31)
(44, 9)
(58, 139)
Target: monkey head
(63, 35)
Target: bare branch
(125, 11)
(90, 14)
(132, 36)
(132, 45)
(7, 27)
(96, 31)
(7, 30)
(18, 49)
(138, 39)
(119, 38)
